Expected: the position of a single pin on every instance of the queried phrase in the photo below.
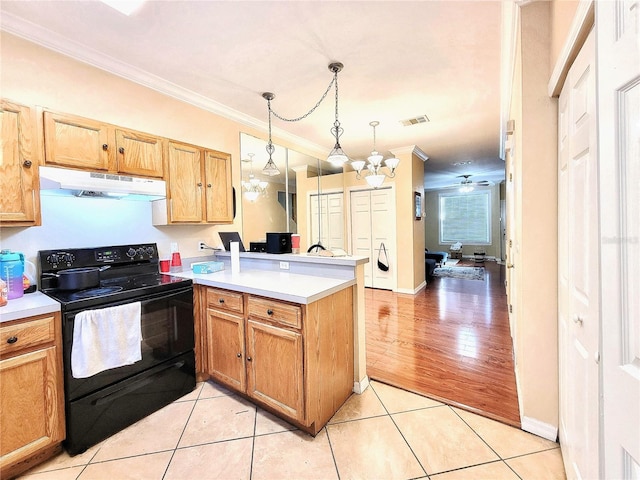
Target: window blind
(465, 218)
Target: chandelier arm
(301, 117)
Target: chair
(439, 257)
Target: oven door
(167, 332)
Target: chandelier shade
(374, 175)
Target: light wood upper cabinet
(219, 196)
(184, 192)
(21, 156)
(32, 404)
(199, 186)
(78, 142)
(139, 154)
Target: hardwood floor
(450, 342)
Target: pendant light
(253, 187)
(337, 156)
(375, 176)
(270, 168)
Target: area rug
(466, 273)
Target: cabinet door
(225, 346)
(139, 154)
(185, 183)
(19, 201)
(275, 369)
(31, 417)
(219, 188)
(77, 142)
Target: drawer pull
(221, 300)
(239, 355)
(12, 339)
(269, 312)
(249, 359)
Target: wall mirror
(279, 204)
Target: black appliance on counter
(105, 403)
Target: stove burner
(93, 292)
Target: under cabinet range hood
(79, 183)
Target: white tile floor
(385, 433)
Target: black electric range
(133, 272)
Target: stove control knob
(150, 251)
(131, 253)
(69, 258)
(141, 251)
(53, 259)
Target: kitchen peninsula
(287, 331)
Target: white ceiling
(401, 59)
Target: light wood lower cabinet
(32, 413)
(294, 360)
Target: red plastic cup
(175, 259)
(295, 241)
(165, 265)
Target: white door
(618, 51)
(372, 225)
(327, 220)
(578, 269)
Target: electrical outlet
(284, 265)
(202, 246)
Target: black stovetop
(133, 274)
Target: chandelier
(374, 175)
(253, 187)
(466, 184)
(337, 155)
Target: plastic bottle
(11, 271)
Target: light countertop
(290, 287)
(28, 305)
(346, 260)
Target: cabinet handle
(105, 147)
(208, 185)
(239, 355)
(269, 312)
(27, 163)
(249, 359)
(221, 300)
(199, 184)
(121, 150)
(12, 340)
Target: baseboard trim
(539, 428)
(414, 291)
(361, 386)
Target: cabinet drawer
(16, 337)
(225, 300)
(283, 313)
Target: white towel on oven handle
(106, 338)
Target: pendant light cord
(324, 95)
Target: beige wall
(533, 202)
(266, 214)
(432, 225)
(562, 13)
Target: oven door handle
(136, 385)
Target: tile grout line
(182, 433)
(400, 432)
(485, 442)
(333, 456)
(253, 442)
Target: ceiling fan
(466, 185)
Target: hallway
(450, 342)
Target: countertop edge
(29, 305)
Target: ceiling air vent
(415, 120)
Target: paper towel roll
(235, 257)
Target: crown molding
(412, 149)
(53, 41)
